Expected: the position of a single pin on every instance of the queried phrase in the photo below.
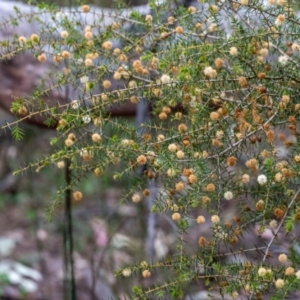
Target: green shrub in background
(221, 146)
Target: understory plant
(219, 154)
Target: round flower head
(84, 79)
(132, 84)
(243, 81)
(85, 8)
(289, 271)
(215, 219)
(180, 154)
(117, 76)
(72, 136)
(77, 195)
(96, 137)
(219, 62)
(202, 241)
(283, 59)
(219, 134)
(64, 34)
(107, 45)
(182, 127)
(176, 217)
(148, 18)
(66, 54)
(126, 272)
(210, 72)
(22, 39)
(61, 164)
(146, 192)
(210, 187)
(214, 8)
(172, 147)
(141, 160)
(117, 51)
(295, 47)
(88, 62)
(192, 178)
(146, 273)
(280, 20)
(86, 119)
(231, 161)
(98, 172)
(214, 26)
(279, 283)
(262, 179)
(179, 186)
(106, 84)
(179, 30)
(22, 110)
(282, 258)
(228, 195)
(273, 224)
(165, 79)
(245, 178)
(171, 172)
(192, 9)
(278, 177)
(69, 142)
(34, 38)
(200, 220)
(262, 272)
(144, 264)
(297, 158)
(137, 64)
(75, 104)
(160, 137)
(233, 51)
(214, 116)
(42, 57)
(98, 121)
(136, 198)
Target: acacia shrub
(223, 82)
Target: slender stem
(65, 248)
(69, 276)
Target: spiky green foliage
(222, 143)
